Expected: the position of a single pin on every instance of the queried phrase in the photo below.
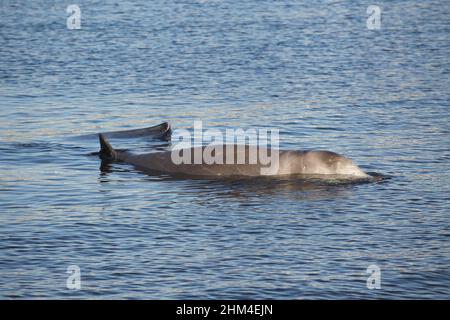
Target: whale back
(290, 162)
(327, 162)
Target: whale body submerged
(289, 162)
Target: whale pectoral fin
(161, 131)
(106, 151)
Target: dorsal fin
(106, 151)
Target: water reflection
(241, 188)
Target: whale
(289, 162)
(161, 131)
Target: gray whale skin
(290, 162)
